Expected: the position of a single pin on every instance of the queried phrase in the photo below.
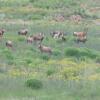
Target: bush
(56, 53)
(8, 54)
(32, 1)
(88, 53)
(50, 72)
(72, 52)
(81, 53)
(45, 57)
(36, 17)
(70, 72)
(20, 39)
(34, 84)
(10, 62)
(28, 61)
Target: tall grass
(72, 71)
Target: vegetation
(81, 53)
(72, 70)
(34, 84)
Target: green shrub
(28, 60)
(21, 39)
(10, 62)
(32, 1)
(88, 53)
(56, 53)
(8, 54)
(72, 52)
(36, 17)
(34, 84)
(70, 72)
(45, 57)
(80, 53)
(50, 72)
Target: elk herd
(38, 38)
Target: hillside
(71, 71)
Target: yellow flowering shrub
(94, 77)
(15, 72)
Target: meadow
(71, 72)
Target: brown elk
(9, 44)
(57, 34)
(2, 32)
(81, 39)
(29, 39)
(23, 32)
(38, 37)
(59, 18)
(45, 49)
(75, 18)
(79, 34)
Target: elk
(23, 32)
(76, 18)
(29, 39)
(81, 39)
(63, 38)
(2, 32)
(79, 34)
(57, 34)
(39, 37)
(45, 49)
(59, 18)
(9, 44)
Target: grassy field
(72, 71)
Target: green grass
(53, 89)
(72, 71)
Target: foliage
(50, 72)
(34, 84)
(72, 70)
(56, 53)
(45, 57)
(81, 53)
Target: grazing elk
(23, 32)
(75, 18)
(9, 44)
(80, 34)
(57, 34)
(39, 37)
(59, 18)
(2, 32)
(29, 39)
(45, 49)
(81, 39)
